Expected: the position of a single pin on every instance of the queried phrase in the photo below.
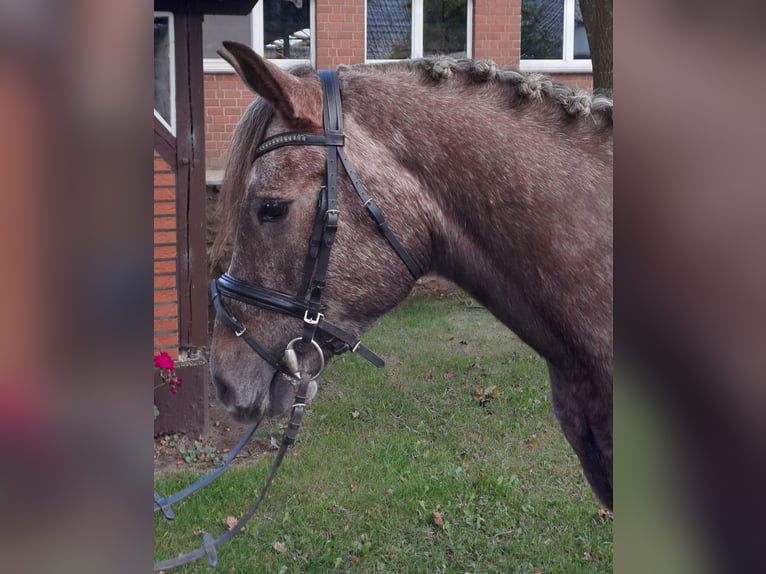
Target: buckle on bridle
(314, 321)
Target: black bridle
(311, 310)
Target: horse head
(275, 215)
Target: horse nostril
(223, 390)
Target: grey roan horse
(498, 181)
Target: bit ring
(290, 349)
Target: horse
(497, 180)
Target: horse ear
(298, 100)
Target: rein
(209, 544)
(317, 331)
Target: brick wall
(497, 31)
(339, 36)
(226, 98)
(575, 80)
(165, 257)
(339, 33)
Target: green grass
(380, 450)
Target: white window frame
(567, 64)
(416, 38)
(219, 65)
(171, 127)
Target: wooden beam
(165, 143)
(190, 151)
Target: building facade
(545, 36)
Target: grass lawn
(382, 450)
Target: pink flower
(164, 361)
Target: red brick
(166, 310)
(167, 266)
(165, 295)
(165, 341)
(165, 237)
(167, 179)
(165, 252)
(165, 325)
(164, 208)
(164, 223)
(164, 281)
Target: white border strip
(171, 126)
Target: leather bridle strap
(233, 288)
(298, 138)
(333, 127)
(377, 216)
(314, 277)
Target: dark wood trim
(190, 150)
(165, 143)
(234, 7)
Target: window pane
(287, 29)
(217, 28)
(162, 67)
(445, 27)
(581, 48)
(389, 29)
(542, 29)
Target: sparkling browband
(298, 138)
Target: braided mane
(576, 102)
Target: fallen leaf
(428, 375)
(538, 571)
(604, 514)
(355, 413)
(353, 487)
(586, 556)
(448, 375)
(354, 559)
(226, 451)
(230, 522)
(390, 491)
(437, 519)
(346, 527)
(280, 547)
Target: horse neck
(503, 195)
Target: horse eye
(273, 210)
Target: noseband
(311, 310)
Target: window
(277, 29)
(553, 37)
(400, 29)
(164, 71)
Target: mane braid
(576, 102)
